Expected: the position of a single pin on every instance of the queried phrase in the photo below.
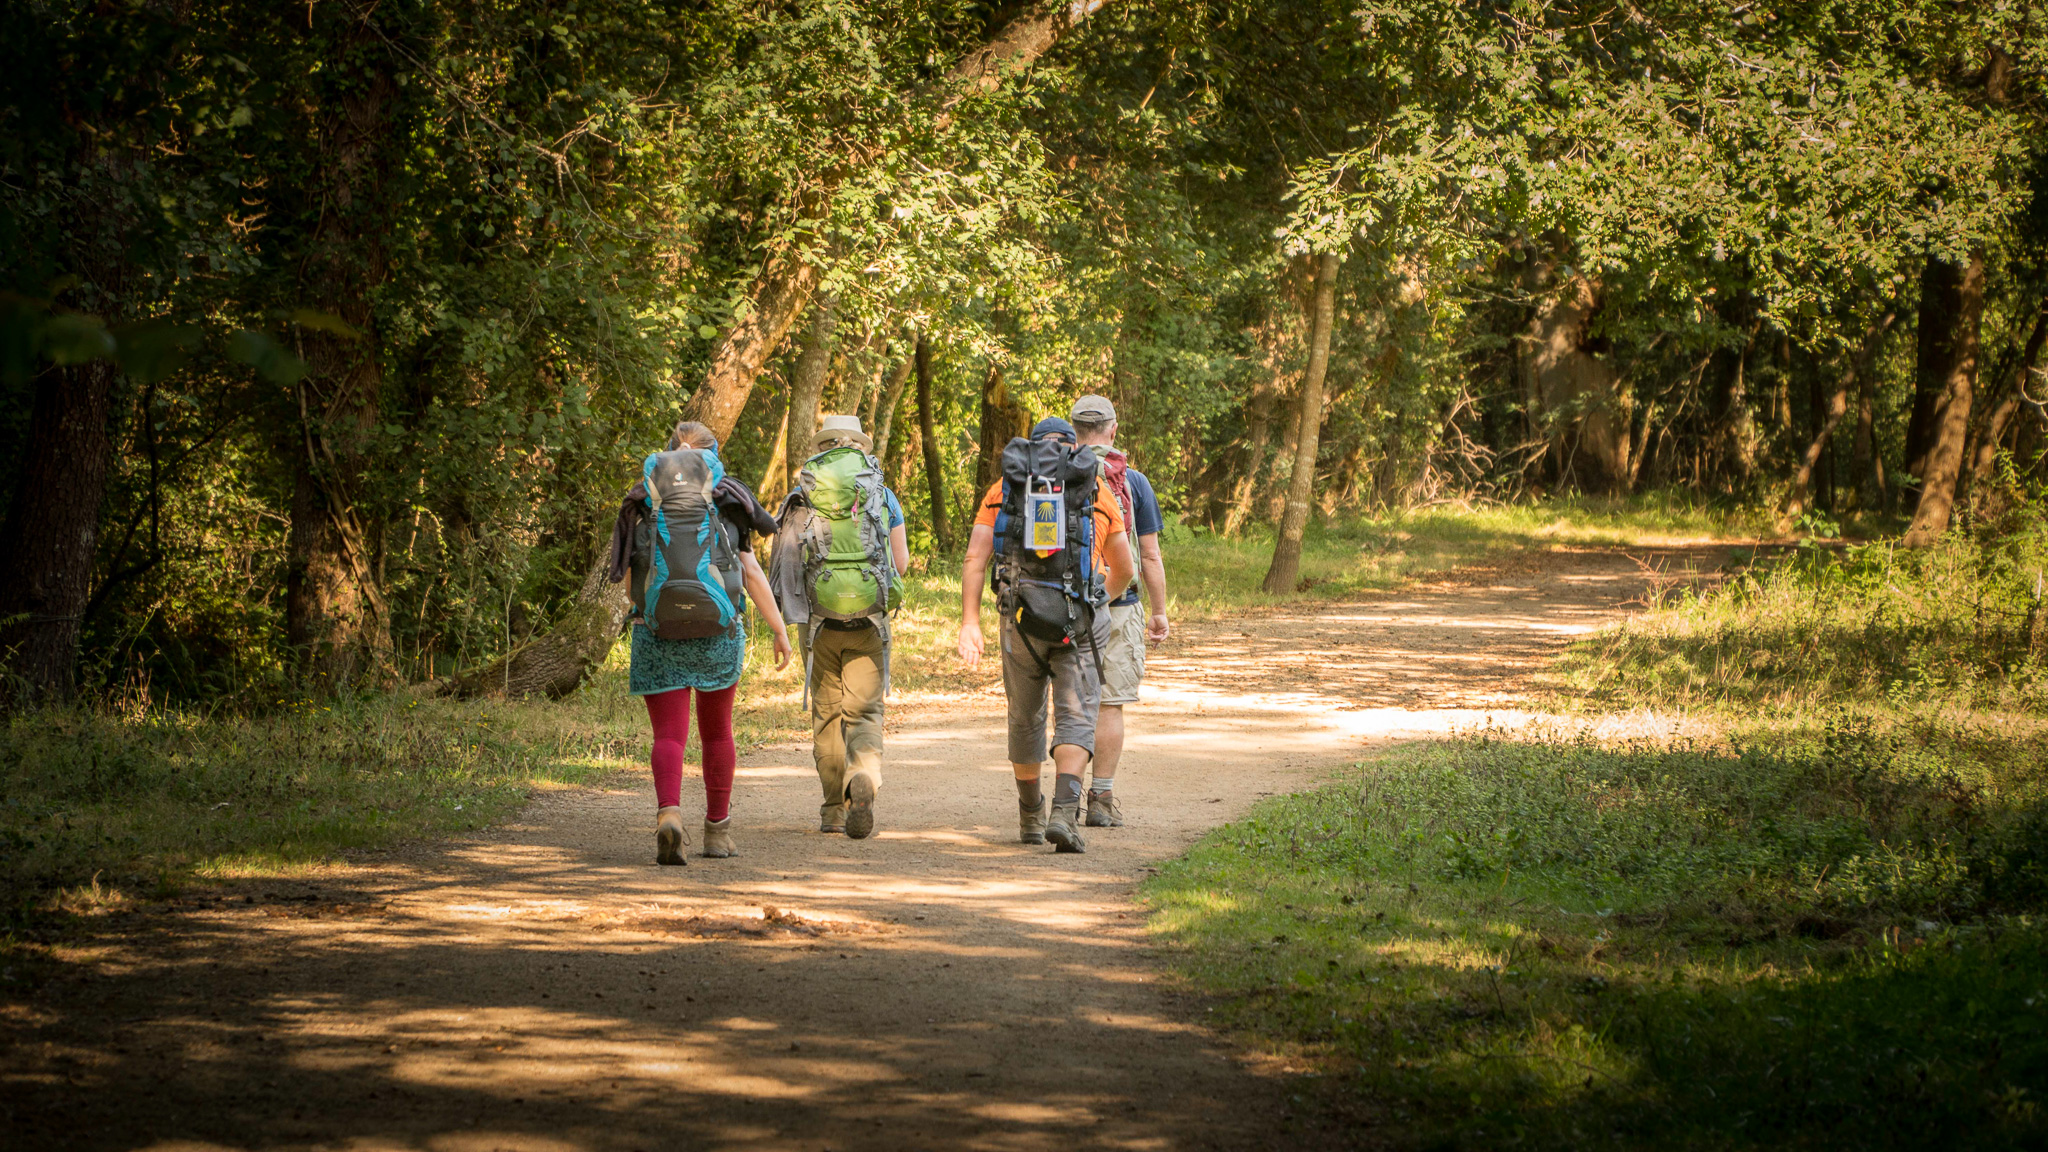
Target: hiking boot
(718, 839)
(669, 836)
(1104, 811)
(1064, 829)
(860, 808)
(1031, 822)
(831, 817)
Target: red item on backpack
(1114, 465)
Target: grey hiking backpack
(1044, 576)
(686, 564)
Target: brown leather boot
(1031, 822)
(669, 836)
(718, 839)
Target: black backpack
(1044, 573)
(686, 564)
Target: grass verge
(1963, 623)
(1834, 938)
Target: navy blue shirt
(1145, 520)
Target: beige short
(1123, 658)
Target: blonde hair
(690, 434)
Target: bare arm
(1152, 570)
(899, 549)
(756, 583)
(1118, 550)
(973, 572)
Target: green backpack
(839, 523)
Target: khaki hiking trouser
(846, 706)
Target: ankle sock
(1100, 785)
(1066, 791)
(1030, 793)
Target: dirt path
(545, 987)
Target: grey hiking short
(1074, 687)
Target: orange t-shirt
(1109, 517)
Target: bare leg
(1109, 741)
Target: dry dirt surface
(544, 986)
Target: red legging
(670, 714)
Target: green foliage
(1831, 938)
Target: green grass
(1823, 922)
(1963, 623)
(1833, 939)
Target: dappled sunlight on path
(544, 986)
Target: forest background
(330, 335)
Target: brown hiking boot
(860, 808)
(669, 836)
(718, 839)
(1031, 822)
(1104, 811)
(1064, 829)
(831, 817)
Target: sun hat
(836, 428)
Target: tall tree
(1956, 358)
(1285, 570)
(336, 618)
(927, 425)
(807, 378)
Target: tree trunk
(1868, 466)
(1566, 377)
(807, 380)
(856, 369)
(1286, 567)
(935, 479)
(1260, 413)
(1829, 412)
(776, 299)
(46, 546)
(1002, 419)
(1985, 461)
(775, 481)
(1951, 421)
(1934, 363)
(553, 665)
(885, 410)
(335, 617)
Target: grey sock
(1030, 794)
(1100, 785)
(1066, 791)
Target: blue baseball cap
(1053, 426)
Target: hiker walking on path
(839, 552)
(683, 533)
(1123, 657)
(1056, 537)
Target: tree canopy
(330, 335)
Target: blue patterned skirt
(711, 663)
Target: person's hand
(782, 650)
(970, 644)
(1156, 630)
